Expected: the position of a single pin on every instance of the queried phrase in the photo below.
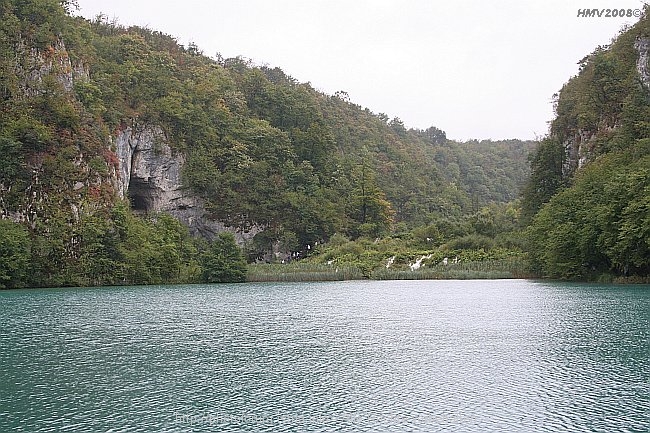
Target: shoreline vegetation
(397, 259)
(318, 187)
(303, 272)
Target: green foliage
(471, 242)
(40, 20)
(429, 235)
(392, 258)
(30, 132)
(223, 261)
(262, 150)
(301, 271)
(14, 254)
(11, 160)
(546, 177)
(592, 222)
(338, 240)
(600, 224)
(368, 207)
(155, 251)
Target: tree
(598, 225)
(224, 261)
(261, 150)
(14, 255)
(434, 135)
(69, 5)
(368, 206)
(546, 177)
(11, 160)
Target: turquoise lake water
(501, 355)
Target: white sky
(475, 69)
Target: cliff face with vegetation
(120, 150)
(588, 199)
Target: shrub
(224, 261)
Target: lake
(497, 355)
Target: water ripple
(351, 356)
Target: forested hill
(588, 199)
(85, 105)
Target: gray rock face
(149, 175)
(38, 64)
(642, 46)
(577, 152)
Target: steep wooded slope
(101, 122)
(589, 193)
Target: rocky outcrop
(148, 172)
(642, 46)
(577, 152)
(149, 175)
(579, 146)
(53, 61)
(31, 67)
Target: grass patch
(512, 267)
(431, 274)
(301, 271)
(633, 279)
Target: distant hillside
(106, 128)
(589, 193)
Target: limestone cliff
(149, 176)
(642, 46)
(32, 65)
(147, 172)
(581, 142)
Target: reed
(512, 267)
(301, 271)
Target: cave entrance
(141, 194)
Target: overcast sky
(475, 69)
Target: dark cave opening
(141, 195)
